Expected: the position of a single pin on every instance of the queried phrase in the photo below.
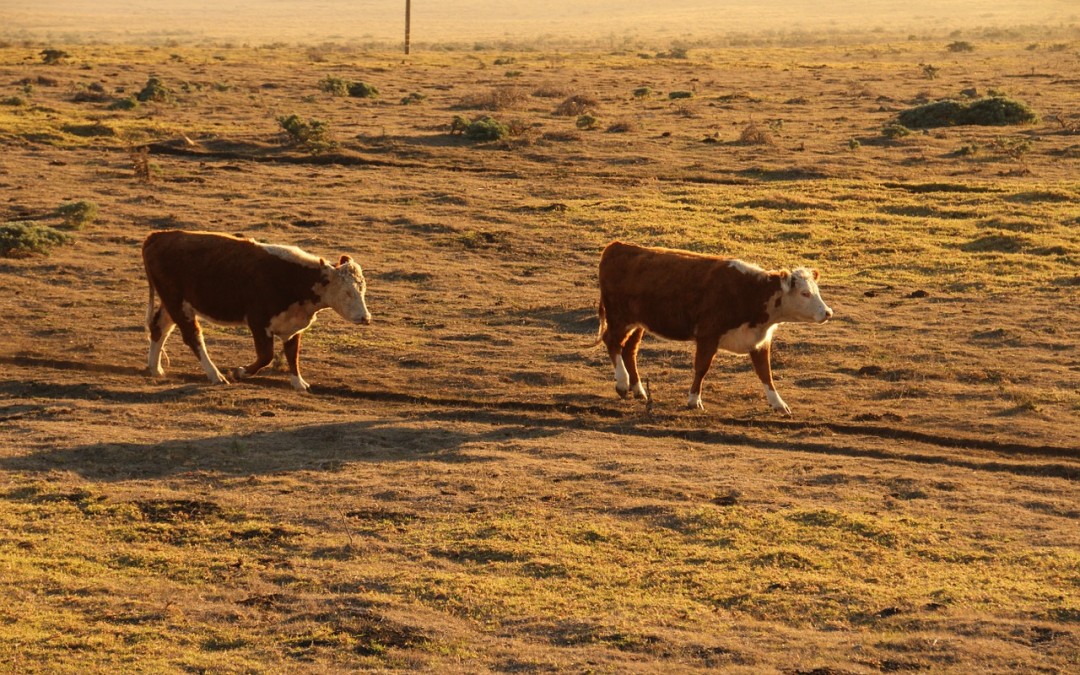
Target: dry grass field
(462, 490)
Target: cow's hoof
(299, 384)
(694, 402)
(155, 373)
(623, 393)
(638, 391)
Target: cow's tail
(603, 324)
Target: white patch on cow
(744, 339)
(297, 318)
(746, 268)
(622, 376)
(293, 254)
(639, 390)
(298, 383)
(153, 361)
(694, 402)
(212, 373)
(776, 402)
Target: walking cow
(275, 290)
(720, 303)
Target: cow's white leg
(622, 376)
(299, 383)
(212, 373)
(775, 401)
(157, 348)
(694, 401)
(639, 390)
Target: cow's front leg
(264, 352)
(703, 358)
(629, 357)
(292, 355)
(763, 367)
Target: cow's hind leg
(193, 337)
(264, 353)
(615, 336)
(161, 326)
(292, 355)
(629, 359)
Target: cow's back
(679, 294)
(221, 276)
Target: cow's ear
(785, 280)
(322, 263)
(344, 260)
(814, 273)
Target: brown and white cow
(275, 290)
(720, 303)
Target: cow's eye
(806, 294)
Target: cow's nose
(828, 313)
(366, 319)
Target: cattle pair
(720, 303)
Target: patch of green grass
(78, 215)
(989, 111)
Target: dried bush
(549, 90)
(496, 98)
(755, 134)
(895, 131)
(52, 57)
(586, 122)
(413, 98)
(960, 46)
(643, 92)
(578, 104)
(621, 126)
(675, 95)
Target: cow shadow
(322, 447)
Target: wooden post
(408, 14)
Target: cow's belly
(215, 315)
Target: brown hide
(225, 278)
(680, 295)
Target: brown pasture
(463, 491)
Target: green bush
(335, 86)
(154, 90)
(895, 131)
(412, 98)
(680, 94)
(960, 46)
(586, 122)
(53, 56)
(313, 135)
(13, 101)
(21, 240)
(129, 103)
(487, 128)
(643, 92)
(362, 90)
(990, 111)
(77, 215)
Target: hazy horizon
(264, 21)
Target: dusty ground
(463, 490)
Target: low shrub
(313, 135)
(496, 98)
(960, 46)
(577, 104)
(412, 98)
(13, 101)
(989, 111)
(52, 57)
(129, 103)
(486, 128)
(621, 126)
(363, 90)
(586, 122)
(680, 94)
(643, 92)
(335, 85)
(755, 134)
(895, 131)
(77, 215)
(154, 90)
(24, 239)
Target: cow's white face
(802, 298)
(345, 290)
